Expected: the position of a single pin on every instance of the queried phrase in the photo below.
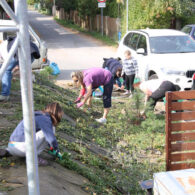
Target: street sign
(101, 5)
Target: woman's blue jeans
(7, 78)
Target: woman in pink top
(91, 79)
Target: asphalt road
(71, 50)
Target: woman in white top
(155, 89)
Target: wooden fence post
(168, 129)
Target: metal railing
(22, 45)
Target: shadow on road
(55, 35)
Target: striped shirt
(130, 66)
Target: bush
(158, 14)
(113, 9)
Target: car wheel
(154, 76)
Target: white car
(161, 53)
(38, 63)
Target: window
(134, 40)
(186, 29)
(127, 39)
(172, 44)
(193, 34)
(142, 43)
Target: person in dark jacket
(7, 76)
(45, 123)
(115, 67)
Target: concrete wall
(111, 25)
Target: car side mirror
(141, 51)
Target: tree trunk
(173, 23)
(90, 23)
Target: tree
(174, 9)
(87, 8)
(66, 4)
(157, 13)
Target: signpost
(102, 4)
(127, 15)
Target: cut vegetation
(113, 157)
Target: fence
(180, 130)
(111, 25)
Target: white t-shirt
(3, 50)
(151, 85)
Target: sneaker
(126, 93)
(101, 120)
(131, 96)
(4, 98)
(42, 162)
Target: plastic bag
(55, 68)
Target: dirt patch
(5, 124)
(53, 180)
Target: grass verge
(113, 157)
(104, 39)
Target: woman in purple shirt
(91, 79)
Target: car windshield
(172, 44)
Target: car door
(142, 58)
(124, 45)
(133, 43)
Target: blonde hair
(127, 52)
(78, 75)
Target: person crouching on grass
(45, 123)
(130, 69)
(91, 79)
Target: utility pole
(102, 21)
(54, 8)
(102, 5)
(22, 45)
(127, 15)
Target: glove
(80, 104)
(193, 77)
(82, 93)
(59, 155)
(77, 100)
(55, 153)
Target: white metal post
(127, 14)
(102, 21)
(9, 11)
(27, 96)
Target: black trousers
(107, 95)
(160, 92)
(129, 80)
